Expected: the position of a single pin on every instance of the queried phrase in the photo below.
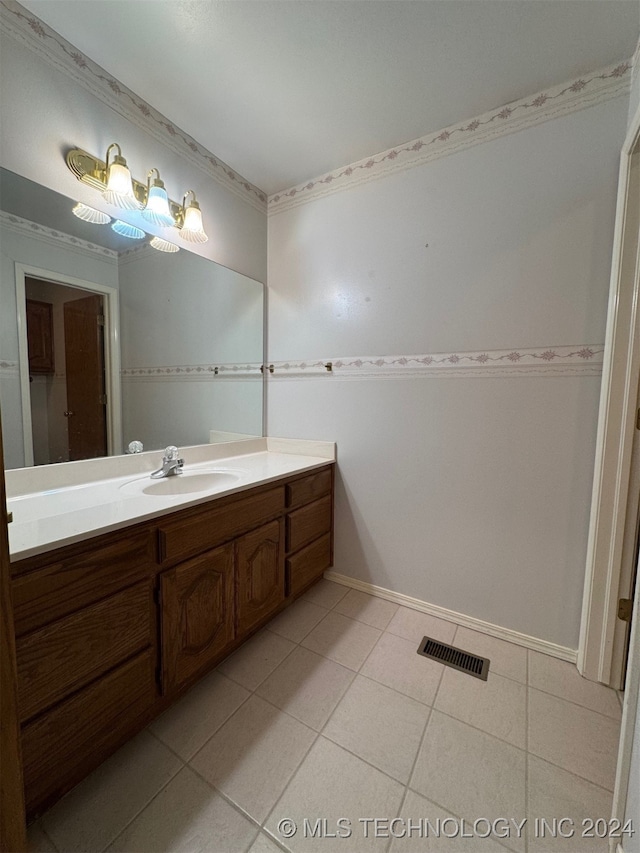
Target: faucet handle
(171, 453)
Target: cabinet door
(197, 614)
(260, 573)
(40, 336)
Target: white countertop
(60, 513)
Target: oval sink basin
(187, 483)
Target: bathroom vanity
(111, 629)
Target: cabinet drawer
(309, 522)
(64, 584)
(64, 744)
(190, 536)
(69, 653)
(308, 564)
(308, 489)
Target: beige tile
(96, 810)
(326, 593)
(189, 724)
(331, 784)
(307, 686)
(563, 679)
(38, 841)
(506, 658)
(376, 612)
(470, 773)
(497, 706)
(445, 834)
(380, 725)
(343, 640)
(187, 815)
(574, 738)
(253, 756)
(554, 793)
(396, 663)
(296, 621)
(414, 625)
(264, 844)
(256, 659)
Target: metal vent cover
(456, 658)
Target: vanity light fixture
(119, 184)
(126, 230)
(90, 214)
(157, 208)
(163, 245)
(191, 220)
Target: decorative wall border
(9, 368)
(42, 232)
(193, 372)
(580, 360)
(587, 91)
(30, 31)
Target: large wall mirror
(105, 341)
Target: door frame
(616, 425)
(111, 353)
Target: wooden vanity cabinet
(110, 631)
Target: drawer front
(60, 747)
(307, 523)
(308, 565)
(186, 538)
(308, 489)
(68, 584)
(69, 653)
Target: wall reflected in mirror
(104, 340)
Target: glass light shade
(119, 191)
(163, 245)
(192, 229)
(90, 214)
(126, 230)
(157, 209)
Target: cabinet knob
(69, 414)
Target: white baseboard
(492, 630)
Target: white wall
(471, 493)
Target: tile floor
(329, 715)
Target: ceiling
(285, 90)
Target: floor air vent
(457, 658)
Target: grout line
(575, 704)
(48, 837)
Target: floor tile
(396, 663)
(574, 738)
(253, 756)
(307, 686)
(506, 658)
(187, 815)
(326, 593)
(296, 621)
(343, 640)
(189, 724)
(376, 612)
(470, 773)
(444, 833)
(554, 793)
(380, 725)
(264, 844)
(331, 784)
(497, 706)
(38, 841)
(98, 809)
(256, 659)
(414, 625)
(563, 679)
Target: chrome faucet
(171, 464)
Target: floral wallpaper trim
(567, 360)
(26, 28)
(201, 372)
(34, 229)
(586, 91)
